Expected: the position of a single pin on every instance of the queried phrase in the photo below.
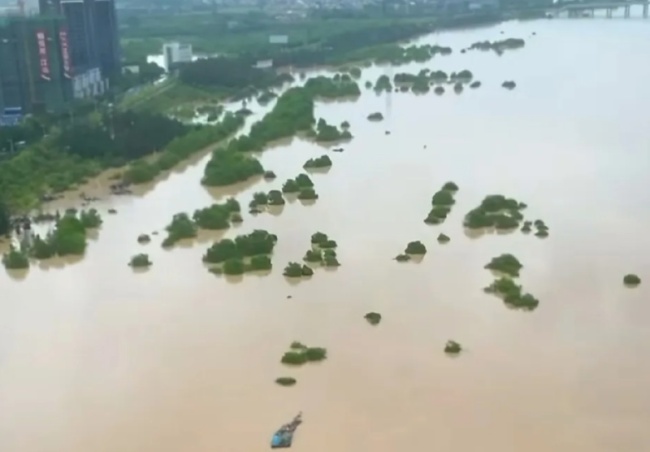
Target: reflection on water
(176, 358)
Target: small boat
(283, 437)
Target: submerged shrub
(415, 248)
(442, 238)
(506, 263)
(285, 381)
(140, 261)
(453, 347)
(373, 318)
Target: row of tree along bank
(81, 150)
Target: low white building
(175, 52)
(89, 84)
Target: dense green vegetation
(439, 90)
(441, 203)
(373, 318)
(5, 219)
(495, 211)
(68, 237)
(118, 136)
(307, 194)
(403, 258)
(512, 294)
(226, 168)
(322, 241)
(339, 86)
(182, 148)
(325, 256)
(453, 347)
(326, 133)
(285, 381)
(475, 84)
(144, 238)
(71, 154)
(415, 248)
(542, 229)
(297, 356)
(498, 46)
(140, 261)
(509, 84)
(442, 238)
(319, 162)
(298, 185)
(269, 175)
(383, 84)
(376, 116)
(217, 216)
(15, 259)
(258, 242)
(296, 270)
(631, 280)
(181, 227)
(506, 263)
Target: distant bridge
(583, 9)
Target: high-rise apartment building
(35, 65)
(93, 33)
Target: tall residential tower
(35, 68)
(93, 35)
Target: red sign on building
(65, 53)
(42, 55)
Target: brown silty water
(96, 358)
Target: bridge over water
(588, 9)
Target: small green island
(143, 239)
(140, 261)
(631, 280)
(327, 133)
(453, 347)
(443, 238)
(319, 162)
(506, 264)
(300, 354)
(246, 253)
(322, 251)
(373, 318)
(69, 237)
(263, 200)
(512, 294)
(495, 211)
(509, 84)
(297, 270)
(286, 381)
(217, 216)
(441, 203)
(413, 249)
(377, 116)
(302, 181)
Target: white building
(89, 84)
(175, 52)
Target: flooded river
(94, 357)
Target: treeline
(238, 72)
(226, 73)
(120, 136)
(81, 150)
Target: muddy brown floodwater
(96, 358)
